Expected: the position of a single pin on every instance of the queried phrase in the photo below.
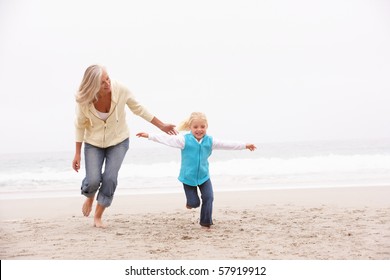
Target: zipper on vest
(197, 177)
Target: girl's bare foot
(87, 206)
(207, 228)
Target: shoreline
(320, 224)
(17, 208)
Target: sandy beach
(297, 224)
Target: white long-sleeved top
(177, 141)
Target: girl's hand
(143, 134)
(251, 147)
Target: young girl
(196, 148)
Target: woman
(101, 124)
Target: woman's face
(198, 128)
(105, 86)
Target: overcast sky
(262, 71)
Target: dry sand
(299, 224)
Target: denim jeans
(207, 196)
(105, 183)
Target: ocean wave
(231, 173)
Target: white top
(103, 116)
(177, 141)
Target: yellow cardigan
(93, 130)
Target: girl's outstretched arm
(174, 141)
(250, 147)
(143, 134)
(230, 145)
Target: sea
(154, 169)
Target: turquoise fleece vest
(194, 169)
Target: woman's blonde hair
(186, 125)
(90, 85)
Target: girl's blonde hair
(90, 85)
(186, 125)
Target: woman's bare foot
(87, 206)
(97, 221)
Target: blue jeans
(105, 182)
(207, 196)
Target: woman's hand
(166, 127)
(76, 162)
(169, 129)
(77, 157)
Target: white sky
(262, 71)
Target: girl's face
(198, 128)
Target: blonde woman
(101, 124)
(196, 148)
